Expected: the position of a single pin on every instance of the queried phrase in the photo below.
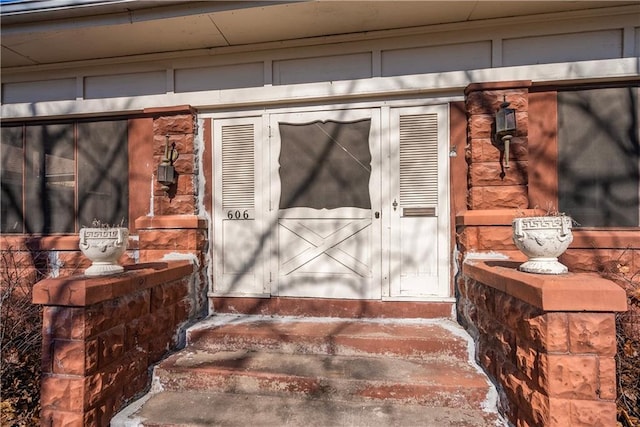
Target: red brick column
(491, 186)
(100, 335)
(494, 193)
(179, 123)
(548, 342)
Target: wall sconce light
(505, 129)
(166, 171)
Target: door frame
(440, 103)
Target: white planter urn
(543, 239)
(104, 246)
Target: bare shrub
(20, 340)
(628, 344)
(628, 356)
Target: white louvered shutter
(419, 164)
(238, 177)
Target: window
(325, 165)
(599, 156)
(57, 177)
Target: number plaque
(240, 214)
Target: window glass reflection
(325, 165)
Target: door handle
(377, 215)
(394, 204)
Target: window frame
(543, 156)
(139, 141)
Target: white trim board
(398, 86)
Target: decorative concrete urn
(104, 246)
(543, 239)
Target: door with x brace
(325, 204)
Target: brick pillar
(489, 185)
(548, 342)
(100, 335)
(179, 123)
(174, 229)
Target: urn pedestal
(543, 239)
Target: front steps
(282, 371)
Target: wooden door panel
(419, 251)
(239, 225)
(326, 245)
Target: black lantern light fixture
(166, 171)
(505, 129)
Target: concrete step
(406, 338)
(431, 383)
(343, 308)
(266, 371)
(172, 409)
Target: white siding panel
(435, 59)
(44, 90)
(322, 69)
(220, 77)
(134, 84)
(562, 48)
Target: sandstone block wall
(160, 236)
(180, 125)
(100, 335)
(490, 184)
(552, 367)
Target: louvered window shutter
(238, 178)
(419, 163)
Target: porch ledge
(81, 291)
(493, 216)
(567, 292)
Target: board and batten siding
(584, 46)
(438, 54)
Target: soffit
(110, 29)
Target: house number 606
(238, 214)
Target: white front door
(332, 204)
(325, 204)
